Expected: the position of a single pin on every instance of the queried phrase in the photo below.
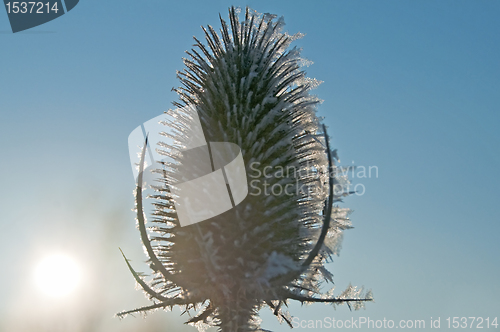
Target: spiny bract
(248, 89)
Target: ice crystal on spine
(248, 89)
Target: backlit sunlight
(57, 275)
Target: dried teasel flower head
(245, 87)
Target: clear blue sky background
(411, 87)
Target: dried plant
(248, 89)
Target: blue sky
(409, 87)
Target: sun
(57, 275)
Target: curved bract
(247, 88)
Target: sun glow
(57, 275)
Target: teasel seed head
(247, 87)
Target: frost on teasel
(246, 84)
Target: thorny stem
(328, 210)
(157, 265)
